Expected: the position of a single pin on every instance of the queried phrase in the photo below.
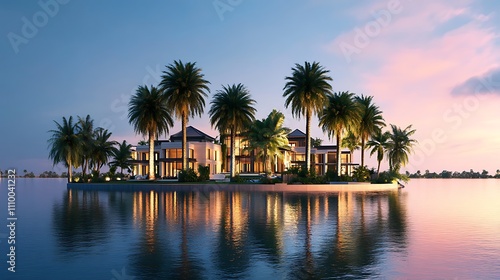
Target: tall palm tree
(399, 146)
(232, 110)
(122, 155)
(340, 114)
(267, 136)
(149, 114)
(86, 134)
(371, 121)
(185, 90)
(102, 149)
(378, 144)
(306, 92)
(65, 145)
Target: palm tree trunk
(266, 163)
(70, 171)
(308, 139)
(184, 142)
(362, 151)
(151, 155)
(233, 157)
(378, 168)
(339, 155)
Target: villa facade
(203, 150)
(323, 157)
(168, 154)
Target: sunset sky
(432, 64)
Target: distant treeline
(450, 174)
(45, 174)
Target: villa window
(208, 153)
(215, 155)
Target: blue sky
(419, 60)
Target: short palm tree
(102, 149)
(267, 137)
(306, 92)
(378, 144)
(232, 111)
(86, 134)
(351, 142)
(149, 114)
(370, 122)
(122, 155)
(340, 114)
(185, 91)
(399, 146)
(65, 145)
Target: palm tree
(351, 142)
(232, 110)
(102, 149)
(149, 114)
(378, 144)
(399, 146)
(65, 145)
(340, 114)
(185, 90)
(306, 92)
(122, 155)
(370, 122)
(268, 136)
(86, 134)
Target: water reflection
(184, 234)
(80, 222)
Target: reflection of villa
(204, 151)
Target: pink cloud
(412, 65)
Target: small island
(247, 150)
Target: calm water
(433, 229)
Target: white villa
(203, 150)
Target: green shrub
(238, 179)
(389, 177)
(361, 174)
(188, 175)
(204, 172)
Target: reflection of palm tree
(79, 222)
(232, 110)
(268, 136)
(371, 121)
(341, 113)
(306, 92)
(399, 146)
(267, 235)
(65, 145)
(149, 115)
(184, 90)
(232, 252)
